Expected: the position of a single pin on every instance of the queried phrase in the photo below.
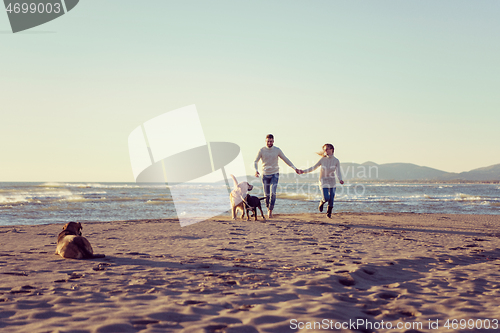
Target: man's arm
(256, 163)
(286, 160)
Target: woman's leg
(325, 199)
(331, 196)
(330, 202)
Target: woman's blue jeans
(329, 195)
(270, 183)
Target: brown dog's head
(250, 187)
(75, 228)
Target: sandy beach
(357, 272)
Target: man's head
(269, 140)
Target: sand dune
(286, 275)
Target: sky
(383, 81)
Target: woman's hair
(327, 145)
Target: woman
(330, 166)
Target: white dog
(237, 197)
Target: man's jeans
(270, 183)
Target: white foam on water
(12, 199)
(467, 197)
(37, 203)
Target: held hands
(257, 174)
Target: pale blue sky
(384, 81)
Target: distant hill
(404, 172)
(491, 172)
(391, 171)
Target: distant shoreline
(283, 178)
(301, 179)
(457, 181)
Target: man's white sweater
(269, 157)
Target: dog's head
(241, 189)
(75, 228)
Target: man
(270, 170)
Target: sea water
(42, 203)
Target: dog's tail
(234, 180)
(89, 255)
(262, 198)
(83, 248)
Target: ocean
(43, 203)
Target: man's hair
(270, 136)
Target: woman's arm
(338, 172)
(314, 167)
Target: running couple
(270, 169)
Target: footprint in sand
(139, 323)
(241, 329)
(214, 328)
(369, 271)
(268, 320)
(22, 290)
(347, 281)
(48, 315)
(122, 328)
(387, 295)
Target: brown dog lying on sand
(71, 244)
